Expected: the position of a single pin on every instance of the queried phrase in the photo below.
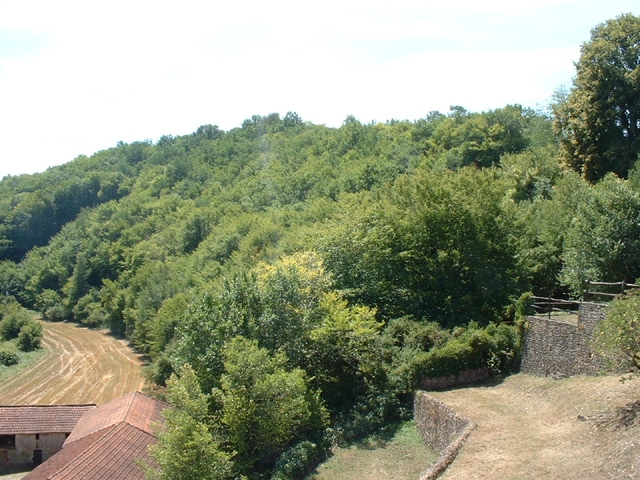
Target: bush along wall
(494, 347)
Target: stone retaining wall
(559, 349)
(550, 348)
(461, 378)
(442, 429)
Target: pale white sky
(77, 76)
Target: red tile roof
(64, 457)
(106, 442)
(30, 419)
(134, 408)
(112, 457)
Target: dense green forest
(300, 280)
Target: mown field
(77, 365)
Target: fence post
(549, 308)
(624, 285)
(586, 290)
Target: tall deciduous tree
(438, 245)
(602, 240)
(265, 407)
(186, 449)
(599, 119)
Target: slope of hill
(353, 261)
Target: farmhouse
(30, 434)
(107, 442)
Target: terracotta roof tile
(112, 457)
(64, 457)
(143, 413)
(106, 442)
(135, 408)
(29, 419)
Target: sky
(79, 76)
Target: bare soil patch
(528, 427)
(79, 365)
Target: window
(7, 441)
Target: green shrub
(30, 336)
(617, 337)
(8, 357)
(47, 299)
(524, 306)
(496, 347)
(88, 310)
(56, 313)
(406, 332)
(159, 370)
(297, 461)
(15, 318)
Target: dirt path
(79, 366)
(528, 427)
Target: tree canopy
(599, 119)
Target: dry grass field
(583, 427)
(78, 365)
(13, 476)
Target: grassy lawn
(402, 457)
(26, 359)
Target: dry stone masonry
(461, 378)
(551, 348)
(559, 349)
(441, 429)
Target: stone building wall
(559, 349)
(23, 454)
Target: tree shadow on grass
(379, 438)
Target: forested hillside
(301, 279)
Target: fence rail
(548, 305)
(622, 287)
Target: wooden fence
(548, 305)
(620, 288)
